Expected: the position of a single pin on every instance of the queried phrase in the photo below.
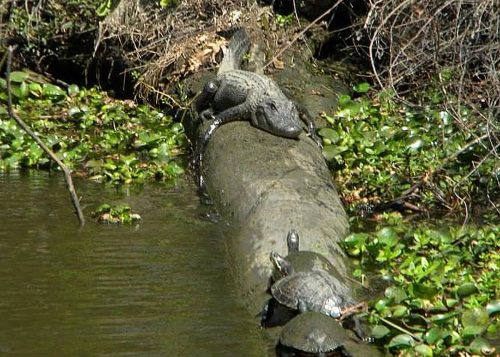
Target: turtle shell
(312, 291)
(301, 260)
(304, 261)
(314, 333)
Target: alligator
(237, 94)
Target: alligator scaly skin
(242, 95)
(236, 94)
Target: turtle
(314, 290)
(315, 334)
(298, 260)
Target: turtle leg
(302, 306)
(359, 326)
(275, 314)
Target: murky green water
(158, 289)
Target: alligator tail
(240, 43)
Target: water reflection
(160, 288)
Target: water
(161, 288)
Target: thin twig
(397, 327)
(22, 124)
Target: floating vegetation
(121, 214)
(445, 294)
(380, 150)
(105, 139)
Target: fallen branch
(22, 124)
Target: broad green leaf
(402, 340)
(18, 76)
(423, 350)
(471, 330)
(380, 331)
(362, 87)
(475, 317)
(466, 289)
(481, 346)
(399, 311)
(396, 294)
(424, 290)
(330, 134)
(73, 89)
(433, 335)
(330, 151)
(387, 236)
(344, 99)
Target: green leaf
(424, 350)
(20, 91)
(402, 340)
(344, 99)
(433, 335)
(466, 289)
(399, 311)
(387, 236)
(53, 92)
(362, 87)
(35, 89)
(73, 89)
(396, 294)
(471, 331)
(18, 76)
(330, 134)
(330, 151)
(481, 346)
(424, 290)
(380, 331)
(444, 318)
(475, 317)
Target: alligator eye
(273, 106)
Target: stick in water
(22, 124)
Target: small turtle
(313, 290)
(314, 334)
(311, 334)
(299, 260)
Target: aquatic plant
(381, 150)
(104, 138)
(444, 296)
(110, 214)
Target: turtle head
(281, 264)
(292, 240)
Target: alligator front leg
(237, 112)
(206, 96)
(309, 123)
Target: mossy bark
(263, 186)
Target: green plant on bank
(378, 149)
(106, 139)
(122, 214)
(284, 20)
(445, 294)
(42, 31)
